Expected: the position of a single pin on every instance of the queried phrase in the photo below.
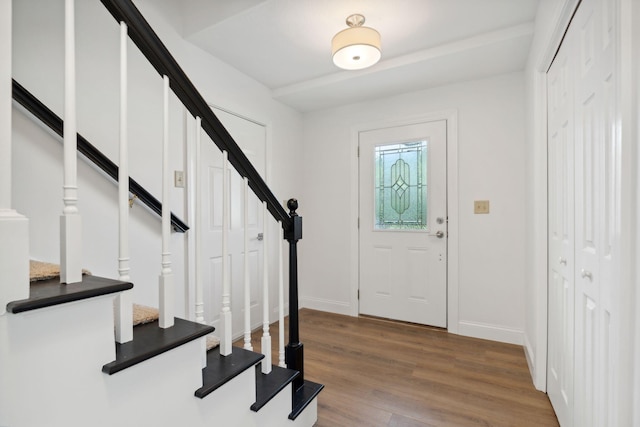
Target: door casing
(451, 117)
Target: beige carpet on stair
(143, 314)
(39, 270)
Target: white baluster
(123, 303)
(225, 315)
(70, 221)
(247, 278)
(14, 228)
(266, 337)
(281, 298)
(166, 277)
(198, 231)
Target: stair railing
(70, 221)
(134, 26)
(124, 300)
(14, 228)
(143, 36)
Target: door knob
(563, 261)
(586, 274)
(439, 234)
(260, 236)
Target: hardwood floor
(381, 373)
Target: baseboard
(331, 306)
(531, 361)
(490, 332)
(530, 356)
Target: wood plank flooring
(382, 373)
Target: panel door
(251, 137)
(560, 140)
(591, 48)
(403, 223)
(597, 211)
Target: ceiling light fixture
(357, 47)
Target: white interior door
(582, 373)
(597, 212)
(560, 137)
(403, 223)
(251, 137)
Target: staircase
(69, 354)
(61, 367)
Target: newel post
(293, 353)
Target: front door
(251, 137)
(403, 223)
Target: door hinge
(358, 294)
(358, 151)
(358, 223)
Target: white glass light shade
(356, 48)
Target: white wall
(38, 65)
(491, 166)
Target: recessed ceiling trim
(486, 39)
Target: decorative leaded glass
(401, 186)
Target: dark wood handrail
(55, 123)
(145, 38)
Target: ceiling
(286, 44)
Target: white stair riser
(54, 357)
(50, 366)
(276, 412)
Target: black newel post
(293, 353)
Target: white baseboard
(531, 357)
(331, 306)
(531, 361)
(491, 332)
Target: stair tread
(47, 293)
(269, 385)
(303, 396)
(150, 340)
(221, 369)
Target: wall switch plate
(178, 179)
(481, 207)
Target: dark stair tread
(303, 396)
(150, 340)
(221, 369)
(47, 293)
(269, 385)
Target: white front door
(251, 137)
(403, 223)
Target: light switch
(178, 179)
(481, 207)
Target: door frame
(451, 117)
(537, 357)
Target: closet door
(596, 211)
(561, 232)
(584, 219)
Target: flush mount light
(356, 47)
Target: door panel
(561, 235)
(402, 207)
(251, 137)
(597, 213)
